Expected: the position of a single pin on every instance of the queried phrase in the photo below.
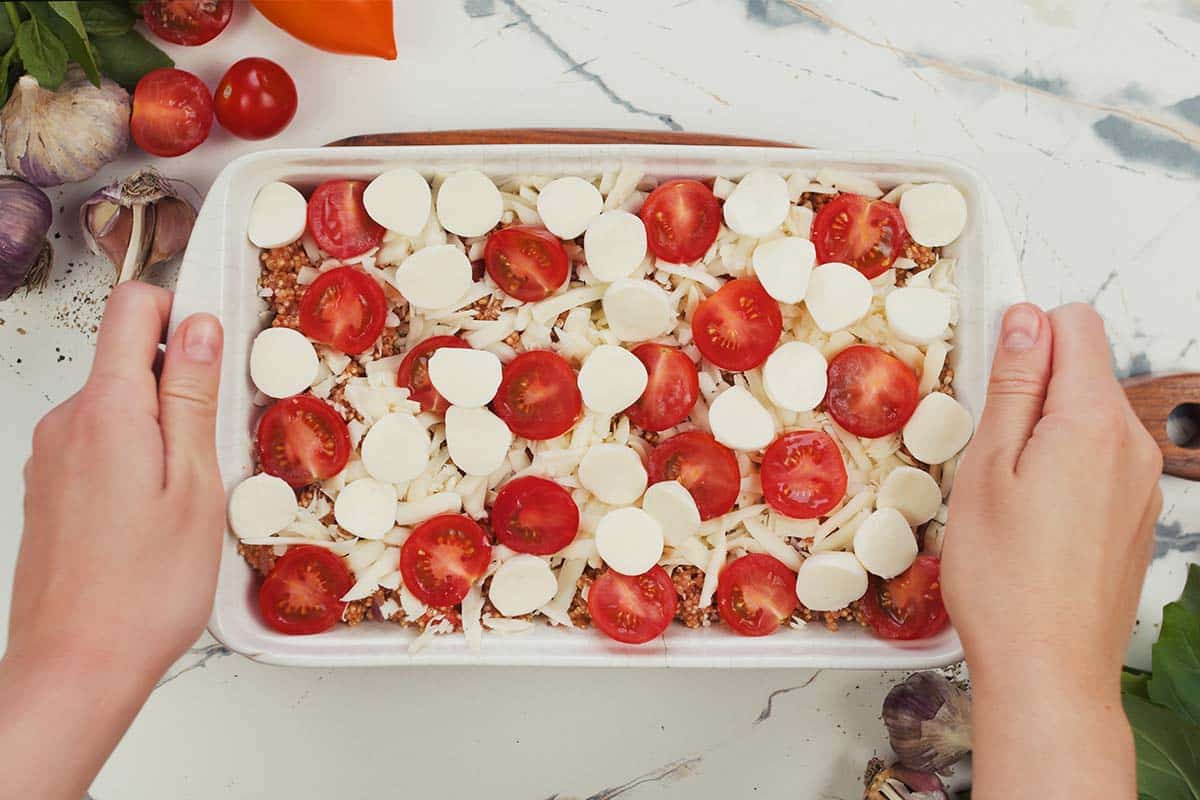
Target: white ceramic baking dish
(219, 273)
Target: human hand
(123, 501)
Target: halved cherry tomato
(338, 219)
(632, 609)
(869, 235)
(705, 467)
(443, 557)
(671, 391)
(527, 263)
(682, 219)
(803, 475)
(187, 22)
(756, 593)
(539, 395)
(302, 593)
(255, 99)
(739, 326)
(302, 439)
(172, 112)
(534, 515)
(413, 373)
(871, 393)
(908, 606)
(343, 307)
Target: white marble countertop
(1083, 116)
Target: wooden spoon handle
(1155, 398)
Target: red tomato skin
(705, 467)
(172, 112)
(852, 213)
(413, 373)
(255, 99)
(533, 247)
(333, 285)
(338, 220)
(672, 390)
(187, 22)
(871, 393)
(557, 403)
(743, 315)
(655, 594)
(919, 587)
(756, 573)
(682, 219)
(289, 411)
(447, 531)
(551, 506)
(823, 474)
(323, 572)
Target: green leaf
(6, 61)
(106, 17)
(7, 34)
(64, 21)
(126, 58)
(42, 54)
(1135, 682)
(1168, 751)
(1176, 655)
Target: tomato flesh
(442, 558)
(682, 219)
(302, 439)
(413, 373)
(871, 393)
(338, 220)
(671, 391)
(187, 22)
(302, 593)
(756, 593)
(255, 99)
(526, 262)
(705, 467)
(738, 326)
(534, 515)
(632, 609)
(172, 112)
(869, 235)
(344, 307)
(908, 606)
(803, 474)
(539, 395)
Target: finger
(187, 397)
(134, 320)
(1083, 373)
(1017, 387)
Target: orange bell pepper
(353, 27)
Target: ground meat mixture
(688, 581)
(815, 200)
(260, 557)
(580, 616)
(924, 256)
(487, 308)
(280, 267)
(832, 619)
(358, 610)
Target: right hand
(1051, 525)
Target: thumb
(187, 397)
(1017, 387)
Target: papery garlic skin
(51, 138)
(929, 722)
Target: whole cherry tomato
(255, 99)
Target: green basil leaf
(1176, 655)
(7, 34)
(126, 58)
(106, 17)
(1168, 751)
(64, 21)
(42, 54)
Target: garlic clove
(172, 227)
(929, 722)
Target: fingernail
(1021, 327)
(202, 340)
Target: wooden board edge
(550, 136)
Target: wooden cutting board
(1154, 398)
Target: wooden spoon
(1166, 405)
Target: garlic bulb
(139, 221)
(929, 722)
(64, 136)
(898, 782)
